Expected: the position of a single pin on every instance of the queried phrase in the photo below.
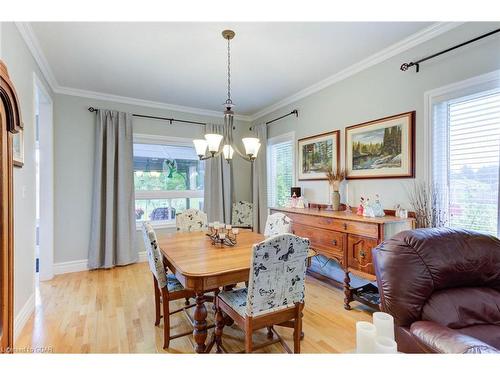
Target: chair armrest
(441, 339)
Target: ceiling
(185, 63)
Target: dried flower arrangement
(426, 201)
(335, 178)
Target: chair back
(277, 274)
(155, 258)
(278, 223)
(191, 220)
(242, 215)
(435, 274)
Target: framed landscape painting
(382, 148)
(317, 154)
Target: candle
(210, 225)
(235, 230)
(385, 345)
(365, 337)
(222, 236)
(384, 324)
(228, 226)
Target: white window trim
(162, 139)
(285, 137)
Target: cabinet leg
(347, 291)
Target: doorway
(44, 164)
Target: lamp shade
(252, 146)
(228, 152)
(213, 142)
(200, 146)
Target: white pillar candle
(365, 337)
(228, 226)
(385, 324)
(235, 231)
(222, 235)
(385, 345)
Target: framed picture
(383, 148)
(317, 154)
(18, 149)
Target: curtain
(112, 239)
(259, 184)
(218, 195)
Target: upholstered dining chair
(191, 220)
(275, 293)
(242, 215)
(277, 223)
(166, 286)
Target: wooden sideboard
(346, 238)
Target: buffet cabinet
(348, 239)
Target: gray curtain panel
(259, 188)
(218, 196)
(112, 238)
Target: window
(280, 169)
(168, 178)
(466, 159)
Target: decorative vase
(335, 200)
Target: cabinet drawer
(346, 226)
(359, 253)
(324, 241)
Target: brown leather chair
(443, 288)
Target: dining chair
(277, 223)
(275, 293)
(242, 215)
(166, 286)
(191, 220)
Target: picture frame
(316, 154)
(382, 148)
(18, 149)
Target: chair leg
(270, 332)
(187, 301)
(297, 329)
(248, 335)
(214, 305)
(157, 301)
(219, 327)
(166, 320)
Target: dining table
(202, 266)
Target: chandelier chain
(229, 70)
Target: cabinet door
(359, 253)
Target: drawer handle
(362, 254)
(345, 226)
(334, 242)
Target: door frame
(10, 121)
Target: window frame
(282, 138)
(165, 194)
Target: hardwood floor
(113, 312)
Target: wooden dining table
(201, 266)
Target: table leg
(200, 323)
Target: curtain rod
(404, 67)
(92, 109)
(294, 112)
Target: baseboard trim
(82, 265)
(23, 316)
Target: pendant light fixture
(212, 142)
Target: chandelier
(212, 142)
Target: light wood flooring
(112, 311)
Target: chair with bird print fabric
(166, 286)
(191, 220)
(242, 215)
(275, 293)
(277, 223)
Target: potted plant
(334, 180)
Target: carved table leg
(347, 291)
(200, 323)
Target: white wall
(384, 90)
(21, 66)
(74, 158)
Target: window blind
(467, 159)
(280, 172)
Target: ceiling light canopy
(212, 142)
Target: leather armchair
(443, 288)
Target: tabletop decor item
(376, 337)
(222, 234)
(335, 177)
(382, 148)
(318, 154)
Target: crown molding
(143, 103)
(31, 41)
(385, 54)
